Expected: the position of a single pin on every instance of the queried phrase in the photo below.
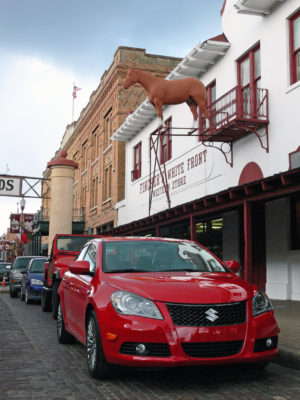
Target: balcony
(235, 115)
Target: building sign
(179, 176)
(15, 223)
(10, 186)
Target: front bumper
(15, 283)
(35, 292)
(169, 346)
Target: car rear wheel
(63, 336)
(55, 299)
(98, 366)
(46, 300)
(13, 293)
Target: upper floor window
(249, 77)
(166, 143)
(294, 32)
(94, 192)
(108, 127)
(84, 157)
(107, 183)
(211, 93)
(95, 145)
(137, 161)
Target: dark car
(5, 268)
(16, 274)
(32, 281)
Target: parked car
(16, 274)
(32, 281)
(154, 302)
(5, 268)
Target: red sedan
(162, 303)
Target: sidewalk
(287, 313)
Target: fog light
(141, 348)
(269, 342)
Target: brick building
(99, 180)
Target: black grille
(153, 349)
(207, 314)
(212, 349)
(260, 344)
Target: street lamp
(22, 205)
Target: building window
(84, 157)
(108, 128)
(295, 223)
(83, 197)
(75, 159)
(249, 77)
(166, 143)
(211, 93)
(107, 183)
(294, 33)
(95, 145)
(209, 233)
(94, 192)
(137, 162)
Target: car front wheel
(27, 298)
(98, 366)
(22, 295)
(13, 293)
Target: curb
(288, 357)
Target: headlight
(261, 303)
(131, 304)
(36, 282)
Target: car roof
(138, 238)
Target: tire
(54, 299)
(27, 299)
(98, 366)
(22, 295)
(13, 293)
(46, 300)
(63, 336)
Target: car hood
(184, 287)
(63, 262)
(36, 275)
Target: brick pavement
(34, 366)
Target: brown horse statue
(161, 91)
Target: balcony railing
(78, 215)
(235, 114)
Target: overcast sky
(46, 45)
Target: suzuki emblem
(211, 314)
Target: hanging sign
(15, 223)
(10, 186)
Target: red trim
(223, 7)
(251, 172)
(62, 161)
(293, 51)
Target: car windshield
(4, 267)
(21, 263)
(71, 243)
(153, 256)
(37, 266)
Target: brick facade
(99, 180)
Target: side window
(294, 33)
(90, 256)
(81, 254)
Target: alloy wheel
(91, 343)
(59, 320)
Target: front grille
(207, 314)
(153, 349)
(212, 349)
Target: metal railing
(78, 214)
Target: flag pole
(73, 103)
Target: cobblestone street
(33, 365)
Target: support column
(62, 179)
(248, 258)
(193, 228)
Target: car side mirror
(234, 266)
(80, 267)
(23, 271)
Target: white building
(235, 186)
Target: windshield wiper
(127, 270)
(179, 270)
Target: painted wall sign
(10, 186)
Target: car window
(90, 256)
(5, 267)
(81, 254)
(158, 255)
(37, 266)
(21, 263)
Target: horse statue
(161, 91)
